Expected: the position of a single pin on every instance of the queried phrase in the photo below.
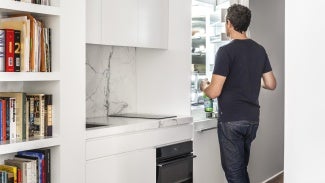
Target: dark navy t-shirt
(243, 63)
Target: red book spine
(4, 120)
(10, 47)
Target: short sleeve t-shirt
(243, 63)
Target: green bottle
(208, 103)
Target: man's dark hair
(239, 16)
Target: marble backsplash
(110, 80)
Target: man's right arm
(268, 81)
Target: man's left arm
(213, 90)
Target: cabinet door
(153, 23)
(93, 21)
(136, 167)
(119, 22)
(207, 165)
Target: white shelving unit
(10, 6)
(35, 143)
(29, 76)
(37, 82)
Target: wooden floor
(278, 179)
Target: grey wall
(267, 28)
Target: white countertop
(120, 125)
(200, 121)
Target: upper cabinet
(119, 22)
(153, 23)
(93, 21)
(136, 23)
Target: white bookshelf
(37, 82)
(8, 147)
(10, 6)
(30, 76)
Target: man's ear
(229, 25)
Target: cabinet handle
(207, 129)
(176, 161)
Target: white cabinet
(135, 23)
(207, 165)
(153, 23)
(119, 22)
(128, 157)
(93, 21)
(136, 166)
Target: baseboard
(272, 177)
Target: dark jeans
(235, 140)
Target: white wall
(73, 91)
(304, 93)
(267, 28)
(163, 76)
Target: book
(39, 114)
(47, 163)
(43, 51)
(1, 120)
(22, 24)
(4, 119)
(20, 112)
(2, 50)
(32, 167)
(48, 115)
(22, 165)
(17, 51)
(6, 126)
(4, 176)
(40, 164)
(47, 42)
(33, 40)
(12, 109)
(12, 170)
(9, 47)
(30, 100)
(27, 117)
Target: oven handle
(175, 161)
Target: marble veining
(110, 80)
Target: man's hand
(204, 84)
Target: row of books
(25, 45)
(42, 2)
(32, 166)
(25, 115)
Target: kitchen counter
(120, 125)
(200, 121)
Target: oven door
(178, 170)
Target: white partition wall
(304, 92)
(267, 28)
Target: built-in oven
(175, 163)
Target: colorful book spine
(41, 162)
(10, 169)
(10, 47)
(13, 132)
(4, 119)
(8, 118)
(2, 50)
(17, 51)
(31, 116)
(1, 121)
(48, 115)
(47, 163)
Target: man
(241, 67)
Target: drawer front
(106, 146)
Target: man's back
(243, 63)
